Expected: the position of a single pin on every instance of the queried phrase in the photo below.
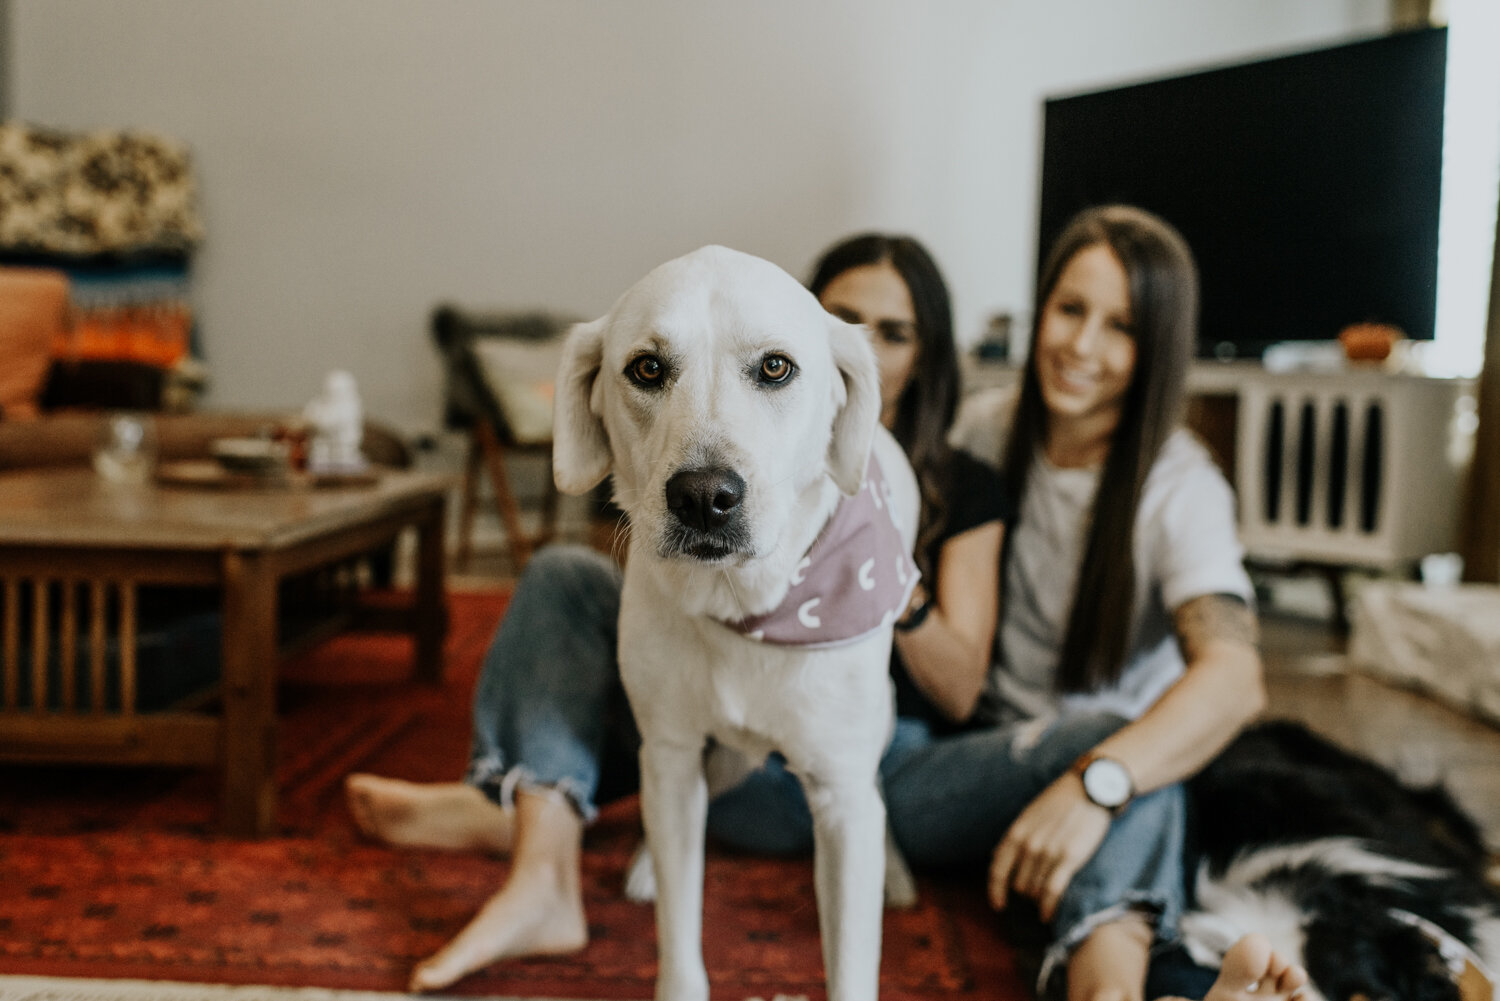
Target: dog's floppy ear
(580, 447)
(857, 397)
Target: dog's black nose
(705, 499)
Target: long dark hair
(927, 405)
(1163, 282)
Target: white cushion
(1442, 639)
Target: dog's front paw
(682, 988)
(640, 877)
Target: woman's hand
(1046, 846)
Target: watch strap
(915, 616)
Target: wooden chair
(499, 368)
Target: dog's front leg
(674, 807)
(848, 870)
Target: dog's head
(718, 392)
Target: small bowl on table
(251, 456)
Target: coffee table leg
(431, 602)
(249, 695)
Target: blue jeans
(950, 799)
(549, 710)
(549, 707)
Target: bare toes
(1253, 971)
(357, 795)
(1291, 979)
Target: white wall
(362, 160)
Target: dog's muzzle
(707, 518)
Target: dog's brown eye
(647, 370)
(776, 368)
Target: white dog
(738, 417)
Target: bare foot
(449, 815)
(539, 912)
(1252, 971)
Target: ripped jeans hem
(1152, 906)
(499, 784)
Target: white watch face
(1107, 783)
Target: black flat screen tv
(1307, 185)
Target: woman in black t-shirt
(892, 286)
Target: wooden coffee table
(73, 551)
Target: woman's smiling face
(1085, 350)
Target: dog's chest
(694, 678)
(698, 669)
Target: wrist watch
(1106, 782)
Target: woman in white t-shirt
(1125, 654)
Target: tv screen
(1307, 185)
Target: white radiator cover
(1352, 467)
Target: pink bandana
(856, 578)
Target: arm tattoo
(1214, 617)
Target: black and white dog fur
(1376, 887)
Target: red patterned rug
(121, 873)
